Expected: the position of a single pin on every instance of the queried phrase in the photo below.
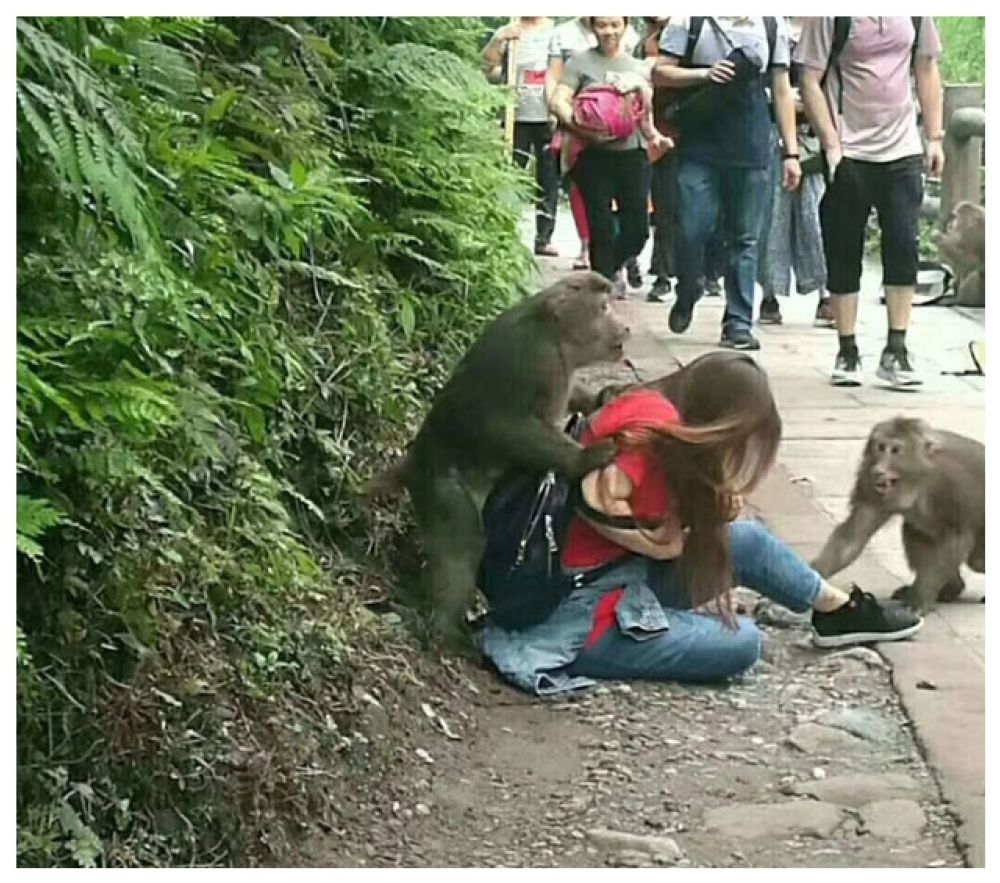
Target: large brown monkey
(936, 481)
(962, 246)
(501, 408)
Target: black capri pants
(896, 190)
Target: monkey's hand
(595, 456)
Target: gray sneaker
(847, 370)
(895, 368)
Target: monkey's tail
(391, 481)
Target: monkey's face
(589, 328)
(898, 454)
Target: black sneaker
(713, 288)
(739, 340)
(770, 312)
(658, 293)
(864, 620)
(634, 273)
(680, 317)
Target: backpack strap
(916, 21)
(771, 29)
(841, 31)
(694, 32)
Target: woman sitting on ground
(666, 509)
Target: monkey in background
(501, 409)
(937, 481)
(962, 246)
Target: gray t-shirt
(591, 68)
(532, 60)
(744, 32)
(879, 119)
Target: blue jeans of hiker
(699, 647)
(741, 195)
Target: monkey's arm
(582, 400)
(537, 446)
(850, 538)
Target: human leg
(843, 214)
(744, 195)
(632, 197)
(697, 214)
(898, 205)
(697, 648)
(579, 211)
(596, 187)
(547, 180)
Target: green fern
(34, 518)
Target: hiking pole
(508, 120)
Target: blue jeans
(742, 195)
(699, 647)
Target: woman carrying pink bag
(604, 103)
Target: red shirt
(650, 499)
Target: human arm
(784, 115)
(929, 95)
(668, 72)
(813, 54)
(491, 59)
(818, 114)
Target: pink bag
(605, 111)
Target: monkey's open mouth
(618, 351)
(884, 484)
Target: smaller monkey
(962, 247)
(936, 480)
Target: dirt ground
(808, 761)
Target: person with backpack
(720, 67)
(532, 129)
(611, 171)
(858, 95)
(653, 547)
(791, 237)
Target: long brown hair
(726, 443)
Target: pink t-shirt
(879, 119)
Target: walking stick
(508, 120)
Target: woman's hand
(509, 32)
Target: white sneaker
(895, 368)
(847, 370)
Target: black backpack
(841, 31)
(680, 107)
(524, 521)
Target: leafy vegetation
(963, 41)
(247, 249)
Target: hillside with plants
(247, 250)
